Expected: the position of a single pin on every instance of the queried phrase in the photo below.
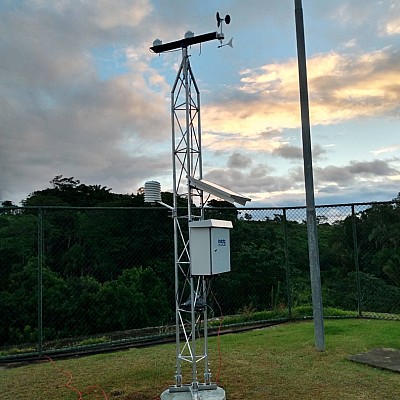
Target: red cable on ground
(88, 390)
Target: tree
(219, 209)
(258, 268)
(138, 298)
(18, 243)
(8, 207)
(71, 192)
(19, 320)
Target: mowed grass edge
(279, 362)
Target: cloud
(383, 150)
(256, 180)
(238, 160)
(58, 116)
(226, 141)
(271, 134)
(290, 152)
(262, 182)
(351, 14)
(373, 168)
(342, 87)
(366, 172)
(393, 27)
(392, 24)
(81, 95)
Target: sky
(82, 96)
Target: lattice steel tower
(190, 289)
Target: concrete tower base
(214, 394)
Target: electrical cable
(68, 374)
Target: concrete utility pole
(313, 250)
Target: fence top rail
(371, 203)
(10, 208)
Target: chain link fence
(90, 277)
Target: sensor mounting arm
(188, 41)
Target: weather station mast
(201, 247)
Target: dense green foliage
(108, 265)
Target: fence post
(356, 263)
(288, 280)
(40, 282)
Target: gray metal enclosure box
(210, 247)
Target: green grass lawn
(272, 363)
